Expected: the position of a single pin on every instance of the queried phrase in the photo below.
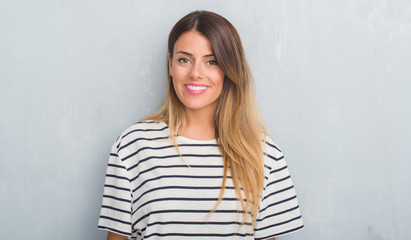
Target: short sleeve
(279, 212)
(115, 214)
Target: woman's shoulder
(271, 149)
(143, 130)
(145, 126)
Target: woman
(201, 167)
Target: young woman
(202, 167)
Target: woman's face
(197, 78)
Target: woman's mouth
(195, 89)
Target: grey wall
(333, 81)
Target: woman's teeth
(196, 88)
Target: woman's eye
(183, 60)
(212, 62)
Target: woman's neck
(199, 125)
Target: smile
(195, 89)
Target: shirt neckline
(189, 140)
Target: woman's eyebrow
(186, 53)
(189, 54)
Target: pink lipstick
(195, 89)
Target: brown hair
(239, 128)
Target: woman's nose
(197, 70)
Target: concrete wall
(333, 81)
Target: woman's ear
(169, 64)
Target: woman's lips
(196, 89)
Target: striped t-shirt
(150, 192)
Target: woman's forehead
(194, 43)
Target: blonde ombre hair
(238, 126)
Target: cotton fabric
(151, 192)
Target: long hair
(238, 126)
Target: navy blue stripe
(273, 146)
(281, 233)
(279, 202)
(146, 121)
(168, 146)
(268, 167)
(179, 187)
(198, 235)
(114, 154)
(145, 130)
(119, 188)
(197, 223)
(115, 165)
(113, 230)
(142, 122)
(197, 145)
(278, 224)
(278, 213)
(279, 169)
(116, 198)
(140, 139)
(186, 211)
(144, 148)
(115, 176)
(172, 156)
(115, 220)
(279, 180)
(176, 166)
(137, 123)
(184, 199)
(116, 209)
(274, 158)
(178, 176)
(279, 191)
